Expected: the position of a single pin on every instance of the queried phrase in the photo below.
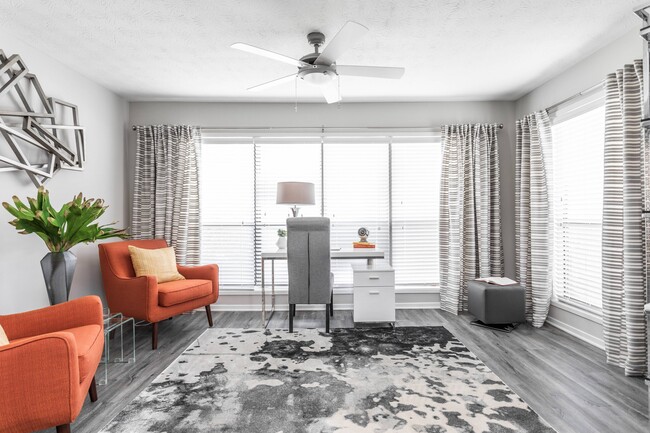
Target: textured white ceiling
(452, 49)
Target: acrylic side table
(114, 323)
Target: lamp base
(294, 210)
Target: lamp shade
(295, 193)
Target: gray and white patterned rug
(411, 379)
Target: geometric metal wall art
(39, 135)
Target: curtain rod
(577, 95)
(388, 128)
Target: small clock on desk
(363, 234)
(363, 239)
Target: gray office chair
(308, 262)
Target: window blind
(386, 183)
(228, 211)
(578, 157)
(356, 194)
(280, 161)
(415, 186)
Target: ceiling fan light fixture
(318, 78)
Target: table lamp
(295, 193)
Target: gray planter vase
(58, 270)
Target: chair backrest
(118, 258)
(308, 260)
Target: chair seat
(177, 292)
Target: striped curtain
(533, 214)
(623, 256)
(166, 188)
(470, 227)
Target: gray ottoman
(496, 306)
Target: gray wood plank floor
(565, 380)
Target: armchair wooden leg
(154, 336)
(92, 391)
(63, 428)
(208, 311)
(327, 317)
(292, 310)
(332, 304)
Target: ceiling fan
(320, 68)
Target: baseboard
(417, 306)
(578, 333)
(342, 307)
(278, 307)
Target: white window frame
(358, 135)
(584, 103)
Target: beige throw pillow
(160, 262)
(3, 337)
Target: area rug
(411, 379)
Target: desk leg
(263, 298)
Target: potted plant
(282, 239)
(61, 230)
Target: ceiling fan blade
(370, 71)
(331, 92)
(266, 53)
(273, 83)
(344, 39)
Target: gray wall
(397, 114)
(581, 76)
(105, 116)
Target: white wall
(580, 77)
(105, 116)
(397, 114)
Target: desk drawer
(374, 278)
(374, 304)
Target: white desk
(368, 254)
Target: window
(276, 162)
(228, 211)
(415, 202)
(356, 183)
(578, 156)
(388, 184)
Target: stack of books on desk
(363, 245)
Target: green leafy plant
(282, 233)
(63, 229)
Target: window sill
(590, 313)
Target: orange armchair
(143, 297)
(49, 365)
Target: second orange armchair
(146, 299)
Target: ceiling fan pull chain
(338, 82)
(295, 108)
